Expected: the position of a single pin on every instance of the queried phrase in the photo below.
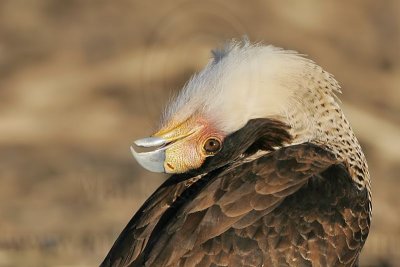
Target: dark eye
(212, 146)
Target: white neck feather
(244, 82)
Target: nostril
(170, 166)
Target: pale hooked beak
(152, 160)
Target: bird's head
(216, 115)
(182, 145)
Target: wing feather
(295, 207)
(245, 195)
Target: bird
(265, 169)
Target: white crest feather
(245, 81)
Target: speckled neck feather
(322, 121)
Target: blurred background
(80, 80)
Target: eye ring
(212, 146)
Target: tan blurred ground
(79, 80)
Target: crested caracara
(266, 170)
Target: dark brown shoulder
(228, 199)
(298, 198)
(331, 216)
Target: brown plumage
(287, 189)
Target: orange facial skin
(185, 150)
